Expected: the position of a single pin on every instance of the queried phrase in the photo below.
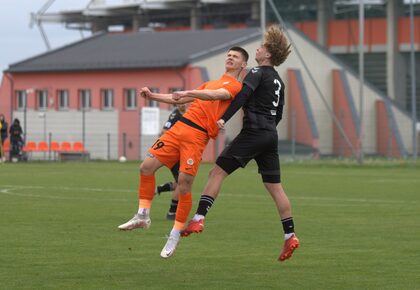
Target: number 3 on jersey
(277, 92)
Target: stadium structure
(86, 91)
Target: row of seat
(42, 146)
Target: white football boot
(138, 221)
(170, 247)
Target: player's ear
(244, 64)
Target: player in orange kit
(185, 142)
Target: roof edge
(241, 40)
(94, 36)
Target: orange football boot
(290, 245)
(193, 227)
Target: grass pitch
(359, 229)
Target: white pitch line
(9, 188)
(12, 191)
(67, 188)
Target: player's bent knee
(184, 188)
(217, 172)
(147, 168)
(185, 185)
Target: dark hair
(241, 50)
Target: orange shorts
(181, 143)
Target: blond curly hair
(277, 45)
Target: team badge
(190, 161)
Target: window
(85, 100)
(130, 99)
(171, 90)
(63, 99)
(153, 103)
(20, 100)
(107, 99)
(42, 100)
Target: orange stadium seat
(65, 146)
(6, 146)
(78, 147)
(30, 146)
(43, 146)
(55, 146)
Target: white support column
(195, 18)
(395, 65)
(323, 17)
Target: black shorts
(261, 145)
(175, 171)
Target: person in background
(3, 136)
(16, 140)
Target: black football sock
(174, 205)
(288, 226)
(165, 187)
(204, 205)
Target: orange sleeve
(233, 88)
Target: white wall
(67, 126)
(147, 141)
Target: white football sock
(288, 236)
(144, 211)
(198, 217)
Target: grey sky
(18, 41)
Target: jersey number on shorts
(277, 92)
(158, 144)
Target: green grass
(359, 229)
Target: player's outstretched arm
(163, 98)
(206, 95)
(236, 104)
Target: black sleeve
(238, 102)
(253, 78)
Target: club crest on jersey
(190, 161)
(255, 70)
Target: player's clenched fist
(145, 92)
(179, 95)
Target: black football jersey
(173, 118)
(264, 109)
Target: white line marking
(11, 190)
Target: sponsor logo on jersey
(190, 161)
(255, 70)
(225, 83)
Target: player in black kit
(170, 186)
(262, 99)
